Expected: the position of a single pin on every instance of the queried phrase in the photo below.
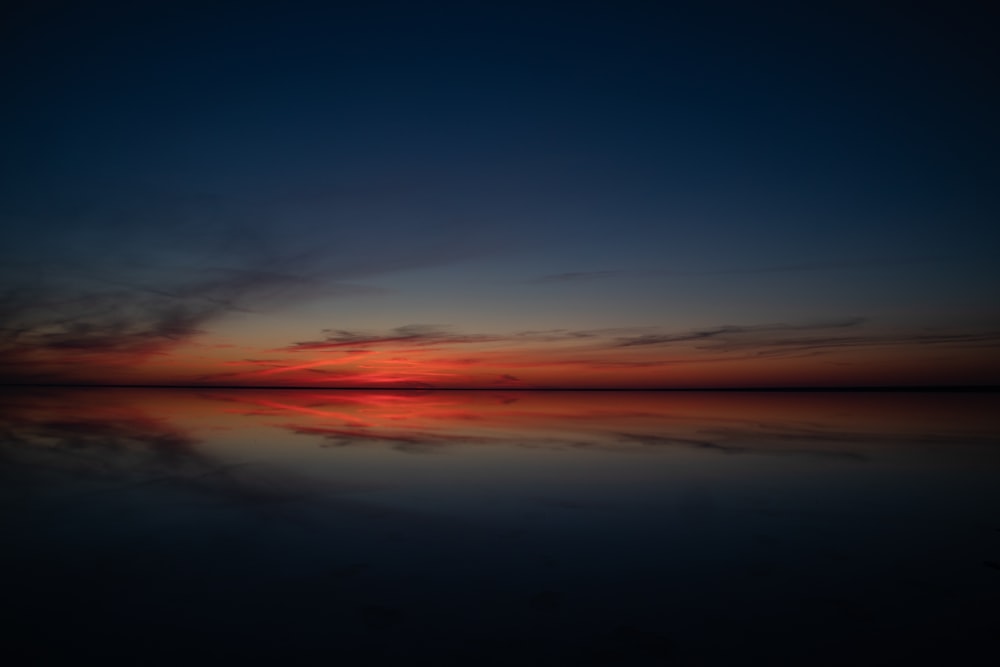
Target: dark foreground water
(524, 528)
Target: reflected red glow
(622, 417)
(824, 424)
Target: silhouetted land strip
(886, 388)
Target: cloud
(786, 340)
(116, 283)
(48, 331)
(411, 335)
(792, 267)
(404, 353)
(508, 380)
(599, 349)
(730, 332)
(827, 343)
(430, 335)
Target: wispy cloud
(51, 330)
(759, 333)
(117, 286)
(432, 335)
(720, 337)
(411, 335)
(791, 267)
(432, 355)
(829, 343)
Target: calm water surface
(510, 528)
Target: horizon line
(782, 388)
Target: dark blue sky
(501, 166)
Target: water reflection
(481, 528)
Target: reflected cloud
(727, 423)
(582, 509)
(750, 437)
(115, 440)
(98, 442)
(404, 441)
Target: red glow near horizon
(486, 362)
(566, 365)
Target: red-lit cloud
(833, 352)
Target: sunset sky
(500, 194)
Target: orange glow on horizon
(498, 364)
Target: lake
(312, 527)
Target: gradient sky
(477, 194)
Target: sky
(505, 195)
